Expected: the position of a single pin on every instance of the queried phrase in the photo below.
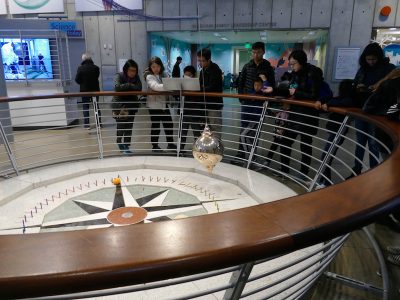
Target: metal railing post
(98, 131)
(181, 107)
(10, 153)
(257, 135)
(328, 153)
(238, 281)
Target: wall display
(346, 63)
(26, 58)
(35, 6)
(3, 8)
(392, 51)
(102, 5)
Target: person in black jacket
(125, 107)
(254, 68)
(211, 81)
(193, 111)
(87, 77)
(344, 99)
(305, 84)
(373, 67)
(176, 71)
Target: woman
(374, 66)
(157, 104)
(125, 107)
(305, 84)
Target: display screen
(26, 58)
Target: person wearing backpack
(374, 66)
(305, 84)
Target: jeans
(86, 105)
(362, 140)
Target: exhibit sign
(103, 5)
(3, 8)
(346, 62)
(35, 6)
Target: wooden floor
(358, 261)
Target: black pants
(191, 118)
(124, 129)
(286, 143)
(274, 146)
(157, 117)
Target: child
(345, 99)
(281, 122)
(157, 104)
(251, 112)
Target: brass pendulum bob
(208, 149)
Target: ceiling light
(217, 34)
(224, 38)
(311, 33)
(392, 28)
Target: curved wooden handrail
(66, 262)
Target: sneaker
(394, 259)
(393, 250)
(127, 151)
(121, 147)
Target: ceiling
(242, 37)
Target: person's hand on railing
(318, 105)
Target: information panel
(346, 63)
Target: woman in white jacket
(157, 104)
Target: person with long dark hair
(125, 107)
(305, 84)
(373, 67)
(157, 104)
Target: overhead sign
(35, 6)
(102, 5)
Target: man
(211, 81)
(176, 71)
(253, 69)
(87, 77)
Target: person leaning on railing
(305, 84)
(344, 99)
(373, 67)
(125, 107)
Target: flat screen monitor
(27, 58)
